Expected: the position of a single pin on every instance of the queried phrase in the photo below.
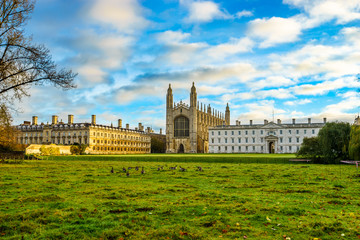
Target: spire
(227, 115)
(193, 96)
(169, 97)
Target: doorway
(271, 147)
(181, 148)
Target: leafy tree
(48, 150)
(23, 63)
(310, 148)
(157, 145)
(334, 141)
(77, 149)
(354, 144)
(7, 133)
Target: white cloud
(244, 13)
(124, 15)
(204, 11)
(297, 102)
(272, 81)
(320, 11)
(274, 30)
(171, 37)
(235, 46)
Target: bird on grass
(200, 169)
(142, 171)
(124, 169)
(173, 168)
(182, 169)
(129, 168)
(127, 174)
(137, 168)
(112, 170)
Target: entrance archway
(181, 148)
(271, 147)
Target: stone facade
(187, 126)
(269, 137)
(101, 139)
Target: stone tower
(169, 118)
(227, 115)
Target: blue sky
(296, 58)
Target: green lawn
(77, 199)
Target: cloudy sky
(296, 58)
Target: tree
(310, 148)
(6, 131)
(334, 141)
(157, 145)
(22, 63)
(354, 144)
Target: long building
(101, 139)
(269, 137)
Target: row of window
(253, 140)
(253, 132)
(249, 148)
(120, 149)
(108, 135)
(120, 143)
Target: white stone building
(269, 137)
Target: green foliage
(84, 200)
(354, 144)
(78, 149)
(334, 141)
(49, 150)
(310, 148)
(157, 145)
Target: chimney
(127, 126)
(237, 122)
(139, 127)
(324, 120)
(34, 120)
(278, 121)
(119, 123)
(70, 119)
(250, 122)
(93, 119)
(309, 120)
(136, 129)
(148, 129)
(160, 131)
(266, 121)
(54, 119)
(293, 120)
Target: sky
(278, 59)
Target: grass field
(82, 199)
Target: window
(246, 140)
(239, 148)
(212, 133)
(218, 132)
(246, 148)
(181, 127)
(304, 131)
(225, 148)
(254, 148)
(232, 148)
(262, 140)
(289, 140)
(219, 140)
(219, 148)
(297, 140)
(232, 132)
(225, 132)
(281, 148)
(239, 132)
(290, 131)
(225, 140)
(290, 148)
(261, 132)
(313, 131)
(246, 132)
(262, 148)
(239, 139)
(212, 140)
(253, 140)
(297, 131)
(280, 140)
(297, 148)
(253, 132)
(232, 140)
(280, 131)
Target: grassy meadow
(78, 198)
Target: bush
(310, 148)
(49, 150)
(78, 149)
(354, 144)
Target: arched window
(181, 128)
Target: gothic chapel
(187, 126)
